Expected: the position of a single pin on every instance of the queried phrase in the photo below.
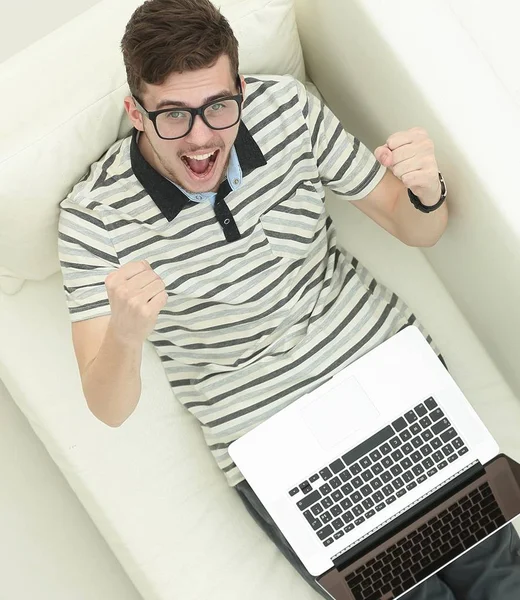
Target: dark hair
(172, 36)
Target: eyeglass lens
(176, 122)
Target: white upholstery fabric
(69, 110)
(151, 485)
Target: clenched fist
(136, 295)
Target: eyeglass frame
(153, 114)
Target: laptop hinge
(410, 514)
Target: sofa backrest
(62, 102)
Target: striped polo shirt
(263, 303)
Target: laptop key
(346, 489)
(376, 483)
(327, 502)
(399, 424)
(386, 448)
(325, 489)
(463, 451)
(325, 532)
(367, 475)
(401, 492)
(325, 474)
(347, 517)
(421, 479)
(345, 475)
(410, 486)
(349, 528)
(346, 503)
(377, 468)
(370, 513)
(358, 510)
(432, 472)
(387, 490)
(294, 491)
(442, 465)
(405, 435)
(380, 506)
(395, 442)
(356, 497)
(366, 490)
(336, 496)
(430, 403)
(410, 416)
(457, 443)
(390, 499)
(317, 509)
(427, 435)
(452, 458)
(416, 457)
(328, 542)
(314, 478)
(436, 414)
(425, 422)
(375, 455)
(436, 443)
(415, 428)
(355, 469)
(407, 448)
(357, 482)
(337, 524)
(365, 462)
(337, 466)
(308, 500)
(336, 510)
(448, 435)
(440, 426)
(359, 521)
(338, 534)
(335, 482)
(378, 497)
(386, 477)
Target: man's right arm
(110, 370)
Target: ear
(243, 85)
(133, 114)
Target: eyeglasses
(174, 123)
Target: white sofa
(151, 486)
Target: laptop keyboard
(429, 548)
(356, 486)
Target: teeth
(200, 156)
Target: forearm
(112, 381)
(415, 228)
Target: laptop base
(443, 527)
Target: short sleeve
(86, 256)
(344, 163)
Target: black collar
(168, 197)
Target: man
(206, 233)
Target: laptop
(383, 475)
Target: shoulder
(277, 90)
(108, 174)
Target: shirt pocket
(292, 225)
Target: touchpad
(344, 409)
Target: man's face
(175, 158)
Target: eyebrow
(220, 94)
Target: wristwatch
(427, 209)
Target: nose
(200, 134)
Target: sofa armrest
(384, 68)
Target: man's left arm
(410, 159)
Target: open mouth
(201, 167)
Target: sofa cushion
(151, 486)
(69, 110)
